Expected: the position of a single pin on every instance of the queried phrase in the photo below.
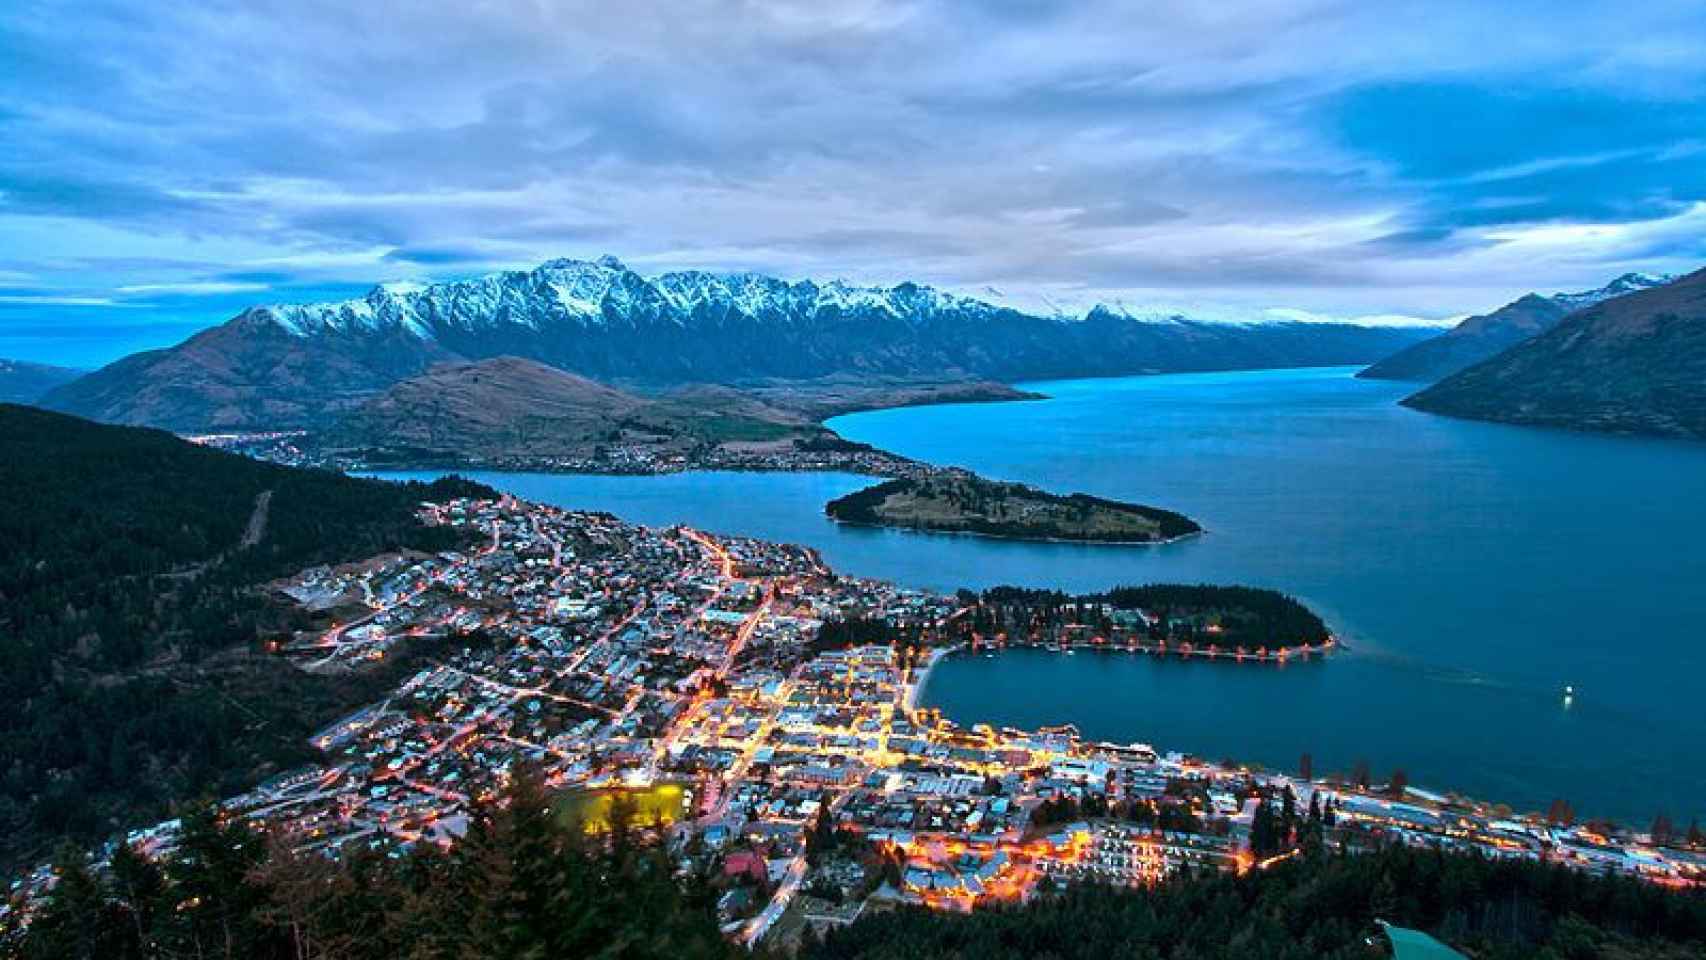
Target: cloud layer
(167, 164)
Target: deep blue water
(1474, 569)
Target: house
(745, 863)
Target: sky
(165, 164)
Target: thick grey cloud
(1342, 157)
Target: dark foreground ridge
(524, 882)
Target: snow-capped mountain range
(604, 291)
(593, 291)
(299, 364)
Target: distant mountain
(1480, 337)
(302, 365)
(247, 372)
(1631, 364)
(1628, 283)
(22, 382)
(513, 407)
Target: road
(760, 925)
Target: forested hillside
(522, 884)
(128, 615)
(1318, 907)
(525, 883)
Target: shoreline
(1017, 538)
(849, 470)
(1281, 656)
(921, 676)
(666, 471)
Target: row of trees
(525, 883)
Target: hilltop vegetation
(525, 882)
(129, 606)
(960, 502)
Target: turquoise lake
(1474, 570)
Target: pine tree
(1662, 829)
(77, 923)
(1264, 835)
(137, 885)
(821, 840)
(213, 907)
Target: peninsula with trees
(957, 501)
(1192, 620)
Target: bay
(1473, 569)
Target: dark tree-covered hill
(128, 615)
(523, 884)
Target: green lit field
(658, 805)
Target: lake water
(1474, 570)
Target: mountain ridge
(1483, 336)
(1629, 364)
(303, 365)
(24, 382)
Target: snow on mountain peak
(1628, 283)
(588, 293)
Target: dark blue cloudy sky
(164, 164)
